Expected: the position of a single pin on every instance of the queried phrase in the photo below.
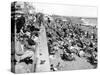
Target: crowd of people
(25, 32)
(62, 35)
(71, 39)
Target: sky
(66, 10)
